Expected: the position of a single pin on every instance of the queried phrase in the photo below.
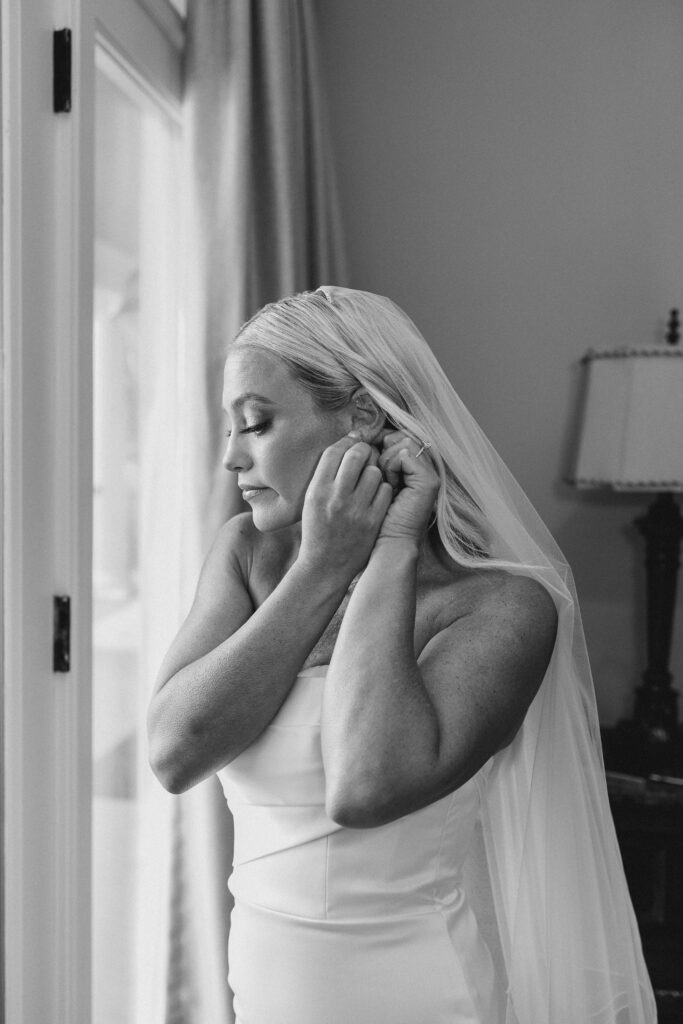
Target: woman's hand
(344, 508)
(406, 465)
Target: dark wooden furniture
(648, 815)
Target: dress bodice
(291, 857)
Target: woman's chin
(268, 520)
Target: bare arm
(230, 667)
(400, 732)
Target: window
(69, 775)
(135, 374)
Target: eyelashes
(255, 428)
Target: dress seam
(437, 859)
(293, 725)
(432, 911)
(464, 968)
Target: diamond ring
(423, 448)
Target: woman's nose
(235, 458)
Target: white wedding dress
(374, 926)
(334, 925)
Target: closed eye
(255, 428)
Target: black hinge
(61, 633)
(61, 69)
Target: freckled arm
(398, 731)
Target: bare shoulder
(222, 602)
(488, 660)
(508, 611)
(261, 559)
(232, 548)
(504, 622)
(491, 596)
(237, 532)
(517, 598)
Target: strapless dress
(336, 925)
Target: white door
(68, 841)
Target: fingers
(369, 482)
(391, 459)
(355, 461)
(396, 442)
(346, 462)
(331, 459)
(383, 498)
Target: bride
(384, 665)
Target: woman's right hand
(345, 505)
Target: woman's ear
(366, 416)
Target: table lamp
(631, 439)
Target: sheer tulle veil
(546, 872)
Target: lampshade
(632, 426)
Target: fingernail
(355, 434)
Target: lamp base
(651, 742)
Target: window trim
(131, 33)
(168, 19)
(47, 267)
(47, 287)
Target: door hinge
(61, 633)
(61, 70)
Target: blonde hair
(334, 340)
(556, 883)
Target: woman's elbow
(359, 807)
(349, 815)
(165, 755)
(168, 771)
(370, 802)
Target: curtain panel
(261, 184)
(260, 221)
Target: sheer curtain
(260, 222)
(137, 500)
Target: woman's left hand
(416, 485)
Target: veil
(550, 889)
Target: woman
(384, 665)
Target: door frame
(46, 427)
(47, 303)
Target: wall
(511, 173)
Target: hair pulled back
(334, 340)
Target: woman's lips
(248, 493)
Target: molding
(585, 483)
(47, 289)
(167, 18)
(72, 489)
(132, 36)
(12, 472)
(632, 353)
(111, 59)
(47, 293)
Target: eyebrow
(250, 396)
